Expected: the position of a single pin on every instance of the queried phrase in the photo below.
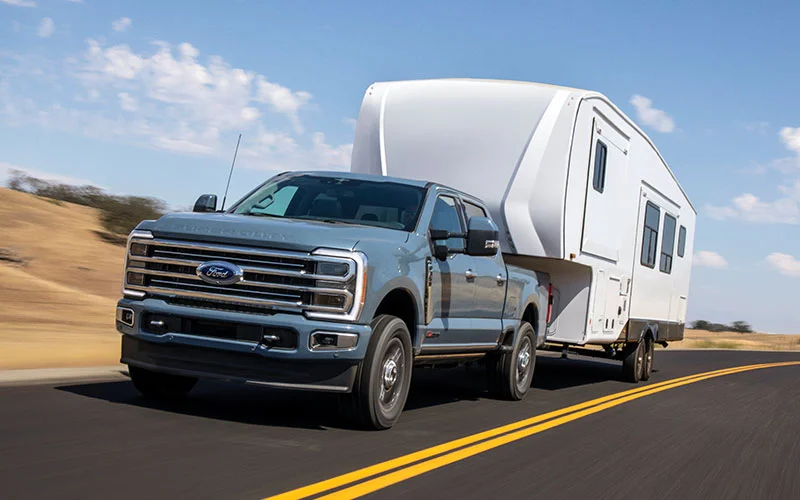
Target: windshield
(337, 199)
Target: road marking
(460, 449)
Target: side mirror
(482, 237)
(206, 203)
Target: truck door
(452, 291)
(490, 288)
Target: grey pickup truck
(328, 281)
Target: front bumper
(246, 359)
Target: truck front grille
(271, 279)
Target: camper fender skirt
(663, 331)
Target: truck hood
(268, 232)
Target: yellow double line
(453, 451)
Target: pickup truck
(328, 281)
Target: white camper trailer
(579, 192)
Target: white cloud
(20, 3)
(127, 103)
(350, 122)
(209, 99)
(328, 156)
(706, 258)
(650, 116)
(16, 27)
(283, 100)
(791, 138)
(46, 28)
(121, 24)
(784, 264)
(7, 168)
(751, 208)
(172, 98)
(783, 210)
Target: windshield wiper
(256, 214)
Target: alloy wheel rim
(523, 363)
(392, 375)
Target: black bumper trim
(201, 362)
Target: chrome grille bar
(271, 278)
(247, 269)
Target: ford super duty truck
(328, 281)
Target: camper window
(650, 235)
(599, 179)
(681, 241)
(667, 244)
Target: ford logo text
(220, 273)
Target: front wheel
(383, 377)
(511, 372)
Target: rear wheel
(383, 377)
(634, 361)
(648, 359)
(510, 373)
(160, 386)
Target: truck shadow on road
(305, 410)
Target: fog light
(326, 341)
(125, 316)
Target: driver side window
(447, 216)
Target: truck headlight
(339, 270)
(137, 246)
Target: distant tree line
(736, 326)
(119, 214)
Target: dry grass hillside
(59, 286)
(60, 281)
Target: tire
(633, 362)
(160, 386)
(510, 373)
(648, 359)
(383, 378)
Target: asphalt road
(734, 436)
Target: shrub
(737, 326)
(119, 214)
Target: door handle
(500, 279)
(470, 275)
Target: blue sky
(148, 98)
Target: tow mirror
(441, 251)
(482, 237)
(206, 203)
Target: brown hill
(60, 280)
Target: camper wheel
(634, 360)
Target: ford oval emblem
(218, 272)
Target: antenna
(230, 174)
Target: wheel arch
(532, 314)
(400, 301)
